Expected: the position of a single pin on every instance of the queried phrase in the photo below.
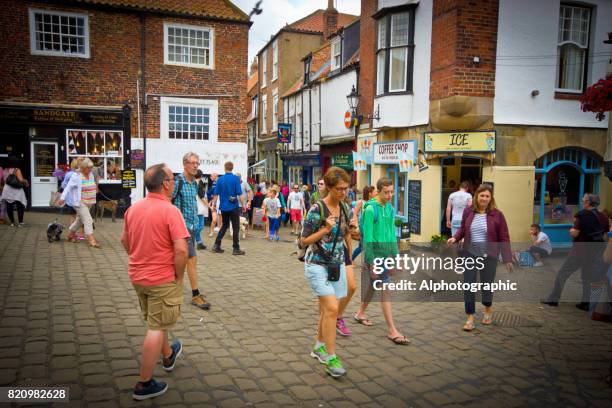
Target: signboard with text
(128, 178)
(44, 116)
(343, 160)
(284, 133)
(475, 142)
(389, 152)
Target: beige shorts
(161, 304)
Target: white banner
(212, 155)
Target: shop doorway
(400, 203)
(562, 177)
(44, 162)
(454, 171)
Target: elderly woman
(80, 194)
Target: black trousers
(233, 217)
(10, 208)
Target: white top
(246, 189)
(544, 242)
(479, 228)
(12, 194)
(295, 201)
(458, 201)
(262, 186)
(271, 205)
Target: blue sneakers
(154, 389)
(168, 363)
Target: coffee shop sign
(389, 153)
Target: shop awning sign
(389, 152)
(343, 160)
(474, 142)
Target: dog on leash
(243, 227)
(54, 231)
(103, 205)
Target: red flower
(598, 98)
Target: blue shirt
(186, 200)
(228, 186)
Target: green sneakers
(334, 367)
(320, 354)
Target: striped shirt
(478, 229)
(88, 190)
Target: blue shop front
(304, 168)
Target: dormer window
(307, 63)
(336, 53)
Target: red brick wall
(109, 76)
(462, 30)
(367, 58)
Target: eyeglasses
(343, 189)
(320, 184)
(194, 163)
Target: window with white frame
(103, 147)
(336, 53)
(275, 110)
(274, 60)
(395, 52)
(254, 106)
(264, 113)
(573, 47)
(59, 33)
(264, 67)
(188, 45)
(189, 119)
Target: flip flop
(365, 321)
(400, 340)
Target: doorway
(44, 162)
(454, 171)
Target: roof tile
(223, 9)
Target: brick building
(125, 82)
(484, 91)
(280, 65)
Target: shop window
(188, 45)
(572, 47)
(562, 177)
(103, 147)
(59, 33)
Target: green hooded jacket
(378, 228)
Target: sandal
(94, 245)
(400, 340)
(487, 319)
(365, 321)
(468, 326)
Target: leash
(104, 196)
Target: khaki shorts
(160, 304)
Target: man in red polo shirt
(155, 237)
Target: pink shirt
(152, 225)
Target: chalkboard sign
(414, 206)
(128, 178)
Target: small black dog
(54, 231)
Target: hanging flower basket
(598, 98)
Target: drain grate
(507, 319)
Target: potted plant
(438, 243)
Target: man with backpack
(184, 197)
(588, 236)
(377, 227)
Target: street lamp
(353, 100)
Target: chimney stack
(330, 17)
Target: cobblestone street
(69, 316)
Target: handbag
(55, 197)
(13, 181)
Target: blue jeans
(199, 229)
(274, 225)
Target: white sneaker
(538, 264)
(217, 229)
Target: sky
(277, 13)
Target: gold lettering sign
(55, 116)
(483, 142)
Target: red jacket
(497, 231)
